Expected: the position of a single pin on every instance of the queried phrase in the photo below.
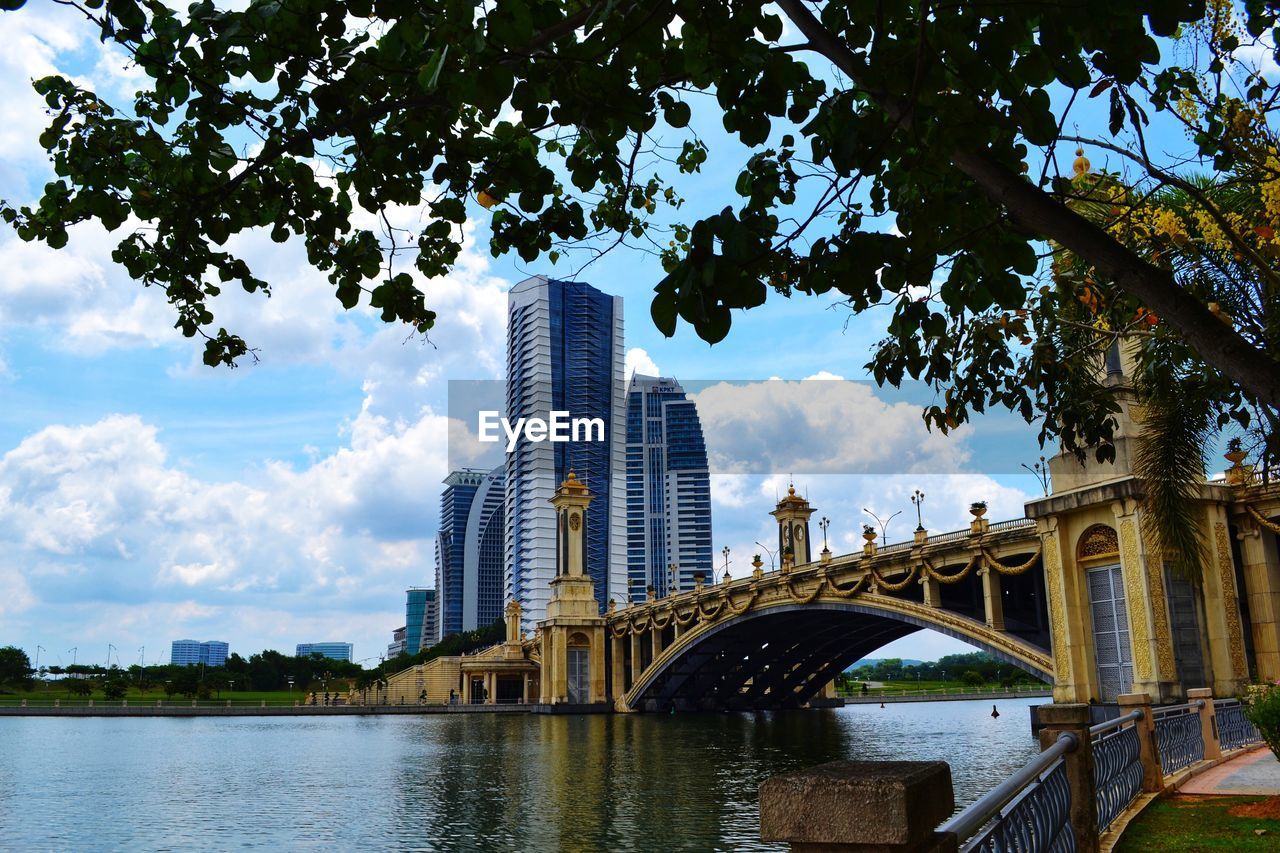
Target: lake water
(457, 782)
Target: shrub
(1262, 708)
(973, 679)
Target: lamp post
(39, 649)
(725, 551)
(110, 648)
(772, 564)
(917, 500)
(884, 524)
(824, 523)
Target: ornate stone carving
(1166, 668)
(1057, 613)
(1097, 542)
(1230, 602)
(1135, 598)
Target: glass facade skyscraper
(419, 619)
(470, 554)
(564, 353)
(333, 651)
(668, 490)
(192, 652)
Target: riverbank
(925, 696)
(180, 710)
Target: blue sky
(145, 497)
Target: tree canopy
(897, 153)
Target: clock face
(799, 534)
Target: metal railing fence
(1234, 729)
(1117, 766)
(1179, 736)
(1029, 812)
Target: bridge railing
(1061, 800)
(1234, 730)
(1117, 765)
(1179, 736)
(1029, 811)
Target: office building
(419, 619)
(396, 647)
(192, 652)
(564, 354)
(470, 551)
(668, 490)
(334, 651)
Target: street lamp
(824, 523)
(770, 552)
(884, 524)
(110, 649)
(917, 500)
(724, 551)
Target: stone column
(617, 671)
(932, 592)
(1223, 624)
(1074, 718)
(1208, 722)
(655, 637)
(1261, 560)
(524, 689)
(860, 805)
(1138, 599)
(637, 669)
(1068, 604)
(1149, 753)
(992, 603)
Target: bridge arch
(781, 654)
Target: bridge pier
(992, 603)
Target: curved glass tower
(564, 353)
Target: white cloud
(821, 426)
(128, 530)
(638, 361)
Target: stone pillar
(1074, 718)
(1068, 603)
(524, 689)
(992, 603)
(1261, 559)
(637, 660)
(1223, 624)
(655, 638)
(1208, 722)
(1138, 599)
(860, 805)
(617, 668)
(932, 592)
(1148, 752)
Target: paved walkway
(1254, 773)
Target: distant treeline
(268, 670)
(974, 667)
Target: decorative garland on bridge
(738, 611)
(1021, 568)
(850, 591)
(653, 620)
(895, 587)
(682, 621)
(956, 578)
(805, 599)
(1262, 520)
(713, 615)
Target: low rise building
(334, 651)
(193, 652)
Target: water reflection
(458, 782)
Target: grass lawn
(1189, 823)
(56, 690)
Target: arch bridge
(776, 639)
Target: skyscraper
(333, 651)
(192, 652)
(668, 490)
(564, 354)
(470, 552)
(419, 619)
